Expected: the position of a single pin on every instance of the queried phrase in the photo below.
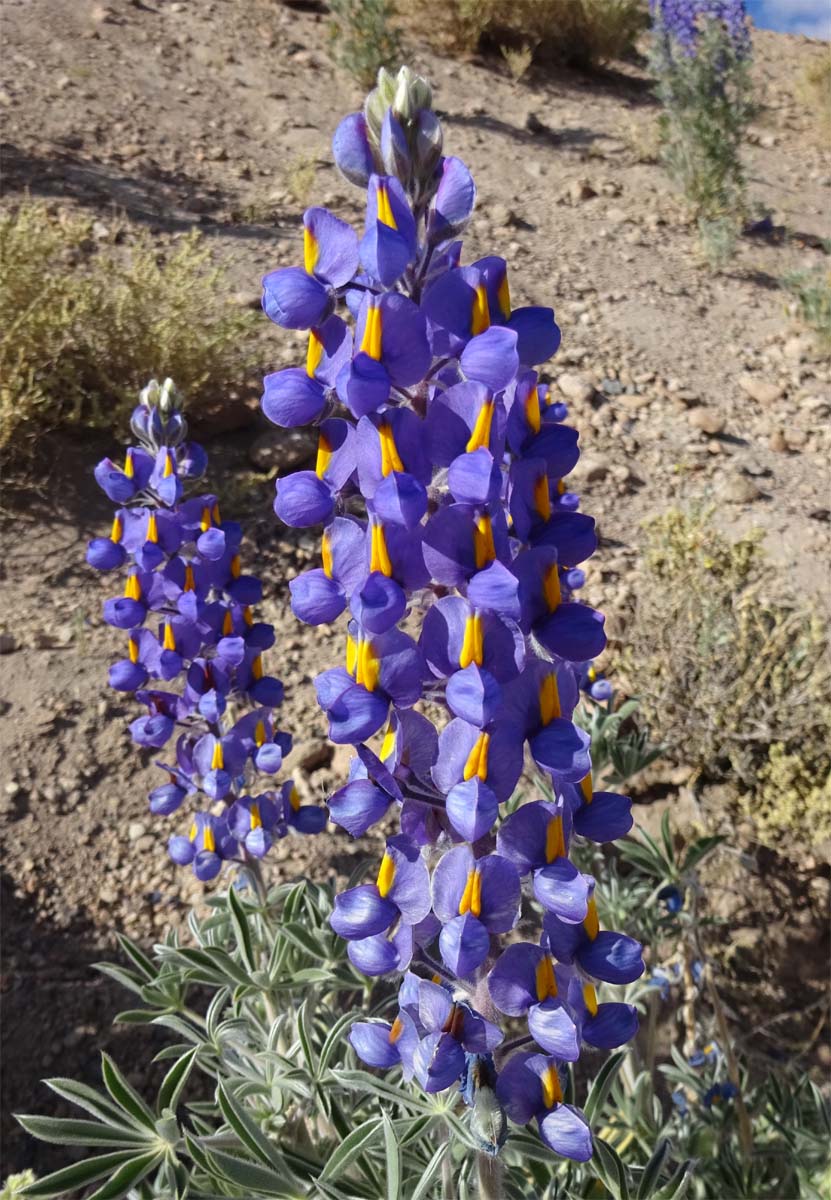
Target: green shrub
(84, 324)
(734, 674)
(812, 290)
(365, 37)
(582, 32)
(706, 97)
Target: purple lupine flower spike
(451, 546)
(193, 647)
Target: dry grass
(84, 324)
(734, 675)
(581, 32)
(813, 88)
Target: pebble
(761, 390)
(593, 469)
(136, 830)
(777, 442)
(707, 420)
(576, 387)
(737, 488)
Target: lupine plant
(468, 967)
(194, 656)
(701, 59)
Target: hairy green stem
(490, 1177)
(253, 869)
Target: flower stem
(254, 872)
(490, 1177)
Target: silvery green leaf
(351, 1148)
(179, 1025)
(248, 1131)
(242, 931)
(300, 937)
(68, 1131)
(249, 1175)
(652, 1171)
(144, 965)
(600, 1088)
(426, 1177)
(87, 1098)
(124, 1094)
(611, 1169)
(293, 900)
(334, 1040)
(78, 1175)
(678, 1183)
(175, 1080)
(362, 1081)
(127, 1176)
(121, 976)
(135, 1016)
(392, 1156)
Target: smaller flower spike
(186, 612)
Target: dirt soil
(685, 385)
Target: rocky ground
(686, 386)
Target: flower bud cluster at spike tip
(194, 652)
(451, 546)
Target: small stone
(136, 830)
(576, 387)
(8, 645)
(310, 756)
(761, 390)
(612, 387)
(797, 438)
(579, 190)
(707, 420)
(617, 216)
(216, 154)
(593, 469)
(737, 488)
(777, 442)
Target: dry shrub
(83, 325)
(814, 90)
(582, 32)
(734, 674)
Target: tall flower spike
(448, 515)
(194, 650)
